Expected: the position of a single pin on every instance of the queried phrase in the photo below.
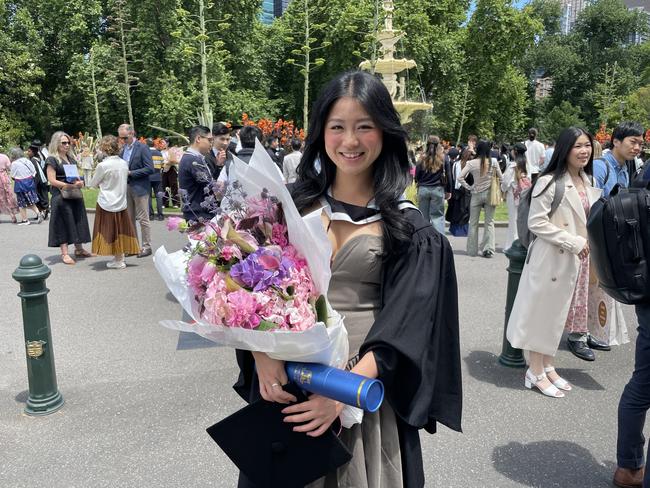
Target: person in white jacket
(515, 180)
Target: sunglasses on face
(65, 143)
(124, 138)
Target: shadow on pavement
(54, 259)
(579, 378)
(22, 396)
(171, 297)
(483, 366)
(547, 464)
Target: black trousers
(156, 187)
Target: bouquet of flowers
(255, 277)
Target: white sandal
(561, 383)
(532, 380)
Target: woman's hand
(318, 412)
(585, 251)
(79, 184)
(272, 377)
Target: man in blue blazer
(138, 156)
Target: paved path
(138, 396)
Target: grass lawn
(90, 200)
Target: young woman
(458, 209)
(392, 277)
(432, 177)
(552, 292)
(515, 180)
(113, 232)
(482, 169)
(68, 218)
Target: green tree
(558, 118)
(498, 36)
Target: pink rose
(176, 223)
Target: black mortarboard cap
(269, 453)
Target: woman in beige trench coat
(548, 281)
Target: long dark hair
(431, 161)
(484, 153)
(559, 161)
(390, 169)
(521, 163)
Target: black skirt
(458, 207)
(68, 222)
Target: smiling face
(352, 139)
(580, 153)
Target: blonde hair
(55, 142)
(597, 149)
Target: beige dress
(355, 293)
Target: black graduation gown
(415, 340)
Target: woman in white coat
(552, 292)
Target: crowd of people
(392, 268)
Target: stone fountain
(389, 67)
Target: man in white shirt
(534, 155)
(292, 161)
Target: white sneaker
(40, 218)
(24, 222)
(116, 265)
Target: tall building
(644, 7)
(272, 9)
(570, 11)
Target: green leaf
(265, 326)
(321, 309)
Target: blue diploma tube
(337, 384)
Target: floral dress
(8, 203)
(576, 321)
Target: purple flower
(261, 269)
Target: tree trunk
(207, 114)
(125, 63)
(305, 104)
(462, 117)
(96, 102)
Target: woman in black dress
(68, 219)
(393, 278)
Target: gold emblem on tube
(35, 349)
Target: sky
(518, 4)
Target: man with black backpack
(618, 236)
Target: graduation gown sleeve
(415, 337)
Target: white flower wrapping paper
(322, 343)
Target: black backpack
(619, 239)
(526, 237)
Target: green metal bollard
(517, 253)
(44, 397)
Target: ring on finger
(275, 384)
